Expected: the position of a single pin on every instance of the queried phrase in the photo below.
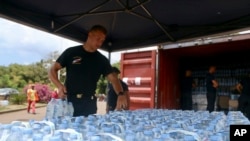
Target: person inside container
(84, 65)
(212, 85)
(112, 96)
(244, 100)
(187, 83)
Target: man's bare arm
(53, 76)
(122, 99)
(128, 100)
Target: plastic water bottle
(95, 138)
(70, 109)
(79, 119)
(1, 130)
(215, 138)
(56, 135)
(27, 134)
(55, 138)
(76, 126)
(37, 137)
(73, 137)
(130, 137)
(50, 109)
(148, 135)
(36, 127)
(166, 136)
(47, 133)
(65, 108)
(188, 138)
(139, 134)
(15, 134)
(58, 109)
(87, 136)
(6, 131)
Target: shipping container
(138, 71)
(154, 76)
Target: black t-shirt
(246, 86)
(83, 69)
(112, 96)
(209, 84)
(187, 84)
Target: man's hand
(122, 102)
(53, 75)
(215, 84)
(62, 92)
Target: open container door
(228, 54)
(168, 83)
(138, 70)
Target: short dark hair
(116, 70)
(99, 28)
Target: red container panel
(138, 71)
(168, 84)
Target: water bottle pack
(58, 108)
(138, 125)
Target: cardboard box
(223, 101)
(233, 103)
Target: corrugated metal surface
(138, 70)
(168, 89)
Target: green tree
(117, 64)
(103, 82)
(18, 76)
(101, 85)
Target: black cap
(116, 70)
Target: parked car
(6, 92)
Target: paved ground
(22, 115)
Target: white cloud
(24, 45)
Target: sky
(25, 45)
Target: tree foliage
(117, 64)
(18, 76)
(103, 82)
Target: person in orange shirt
(32, 98)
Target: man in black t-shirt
(84, 66)
(244, 100)
(112, 96)
(211, 85)
(187, 83)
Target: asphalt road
(22, 115)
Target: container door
(138, 71)
(168, 83)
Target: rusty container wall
(138, 71)
(168, 82)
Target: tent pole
(109, 56)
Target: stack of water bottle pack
(40, 130)
(58, 108)
(137, 125)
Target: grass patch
(18, 99)
(3, 108)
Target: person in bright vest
(32, 97)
